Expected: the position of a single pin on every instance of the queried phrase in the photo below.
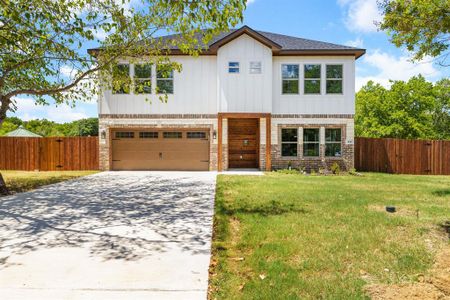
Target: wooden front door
(243, 143)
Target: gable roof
(22, 132)
(279, 43)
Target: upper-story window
(143, 79)
(290, 79)
(233, 67)
(121, 80)
(164, 79)
(312, 79)
(334, 79)
(255, 67)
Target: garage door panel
(161, 153)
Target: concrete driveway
(113, 235)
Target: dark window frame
(316, 143)
(196, 135)
(126, 134)
(172, 135)
(335, 142)
(289, 142)
(160, 79)
(148, 134)
(234, 65)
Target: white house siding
(314, 104)
(195, 92)
(244, 92)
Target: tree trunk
(4, 107)
(3, 188)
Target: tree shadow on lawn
(441, 193)
(271, 208)
(115, 219)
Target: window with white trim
(290, 79)
(233, 67)
(333, 143)
(164, 79)
(312, 79)
(255, 67)
(143, 79)
(311, 142)
(289, 141)
(334, 79)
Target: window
(290, 77)
(311, 142)
(164, 79)
(121, 79)
(289, 142)
(148, 135)
(143, 79)
(255, 67)
(334, 79)
(196, 135)
(312, 79)
(332, 142)
(124, 135)
(233, 67)
(172, 135)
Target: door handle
(160, 155)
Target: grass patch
(22, 181)
(287, 236)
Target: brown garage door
(160, 149)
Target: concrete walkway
(113, 235)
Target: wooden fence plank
(402, 156)
(49, 154)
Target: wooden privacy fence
(402, 156)
(49, 153)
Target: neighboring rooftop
(280, 44)
(22, 132)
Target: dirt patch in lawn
(435, 286)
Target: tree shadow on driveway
(115, 215)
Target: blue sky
(349, 22)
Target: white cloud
(250, 2)
(360, 15)
(99, 34)
(27, 110)
(358, 43)
(396, 68)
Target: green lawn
(282, 236)
(21, 181)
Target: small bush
(287, 171)
(335, 169)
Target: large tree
(413, 109)
(422, 26)
(43, 42)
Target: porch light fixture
(103, 134)
(214, 134)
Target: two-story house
(253, 99)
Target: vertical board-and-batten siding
(314, 104)
(195, 92)
(244, 92)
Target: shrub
(335, 169)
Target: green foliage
(39, 39)
(83, 127)
(413, 109)
(335, 168)
(423, 26)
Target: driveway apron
(113, 235)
